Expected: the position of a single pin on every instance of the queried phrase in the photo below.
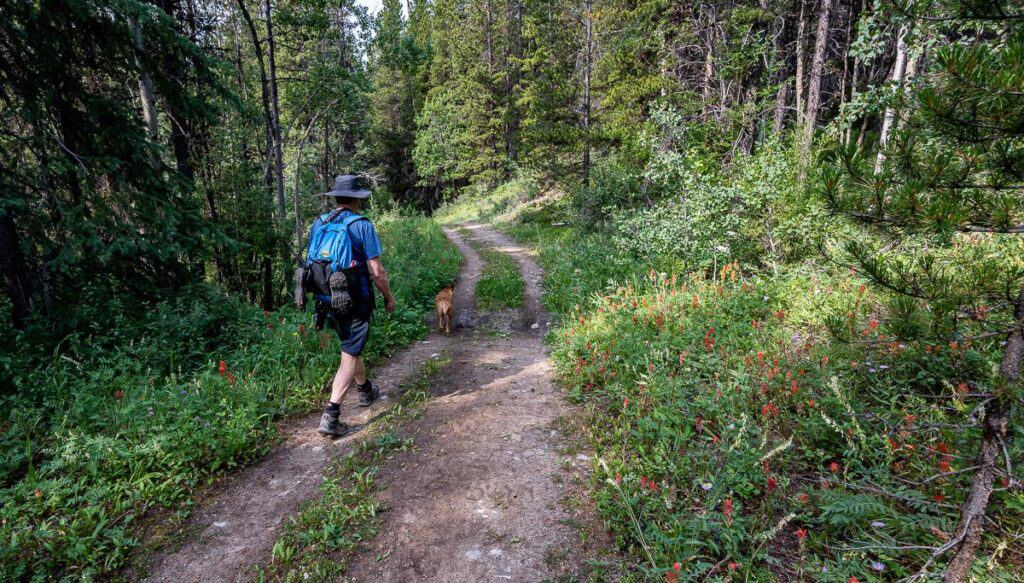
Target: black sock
(332, 407)
(365, 387)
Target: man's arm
(380, 279)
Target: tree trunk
(146, 94)
(890, 112)
(588, 55)
(781, 99)
(17, 280)
(275, 114)
(265, 91)
(993, 439)
(799, 83)
(814, 83)
(709, 61)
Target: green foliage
(132, 416)
(730, 431)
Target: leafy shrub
(118, 422)
(734, 438)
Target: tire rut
(478, 499)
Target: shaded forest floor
(492, 487)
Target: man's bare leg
(349, 370)
(360, 373)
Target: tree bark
(146, 94)
(264, 87)
(275, 117)
(897, 78)
(993, 438)
(709, 61)
(17, 280)
(817, 65)
(799, 83)
(588, 56)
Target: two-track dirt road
(481, 497)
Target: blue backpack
(329, 263)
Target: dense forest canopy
(155, 143)
(150, 147)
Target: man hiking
(342, 257)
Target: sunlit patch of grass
(500, 286)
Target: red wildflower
(266, 313)
(771, 484)
(618, 479)
(625, 402)
(671, 577)
(727, 510)
(938, 497)
(944, 466)
(853, 580)
(696, 301)
(733, 565)
(800, 534)
(231, 378)
(873, 323)
(833, 467)
(119, 394)
(222, 368)
(643, 480)
(804, 498)
(780, 314)
(677, 567)
(302, 328)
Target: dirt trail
(479, 499)
(237, 527)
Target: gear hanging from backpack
(330, 264)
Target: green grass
(318, 542)
(117, 424)
(500, 286)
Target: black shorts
(353, 329)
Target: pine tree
(947, 210)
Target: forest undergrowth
(109, 426)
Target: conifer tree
(947, 211)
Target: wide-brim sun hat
(348, 185)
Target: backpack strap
(347, 221)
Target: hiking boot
(367, 394)
(341, 300)
(331, 426)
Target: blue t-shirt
(365, 246)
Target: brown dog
(443, 307)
